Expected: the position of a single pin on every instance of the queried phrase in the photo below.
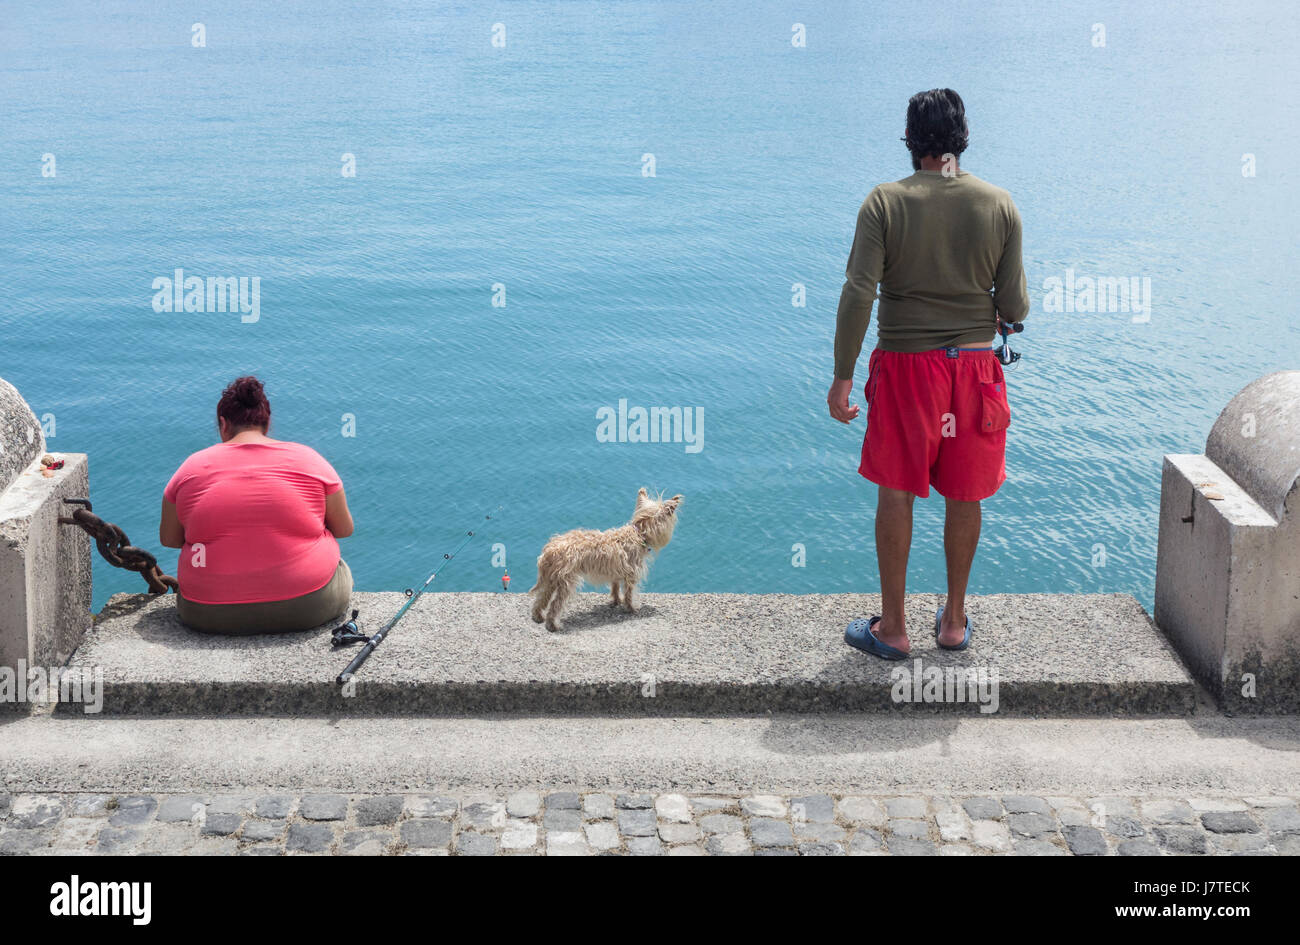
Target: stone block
(44, 567)
(1228, 558)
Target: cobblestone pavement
(571, 823)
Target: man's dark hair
(936, 125)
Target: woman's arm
(171, 534)
(337, 517)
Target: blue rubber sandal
(859, 636)
(965, 642)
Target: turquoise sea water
(522, 166)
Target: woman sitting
(256, 520)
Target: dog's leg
(629, 601)
(564, 589)
(541, 594)
(613, 592)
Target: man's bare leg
(893, 543)
(961, 535)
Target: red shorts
(936, 418)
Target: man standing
(944, 247)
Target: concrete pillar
(1228, 563)
(44, 567)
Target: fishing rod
(350, 632)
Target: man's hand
(1006, 328)
(838, 400)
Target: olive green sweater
(945, 252)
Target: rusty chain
(117, 549)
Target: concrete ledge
(681, 654)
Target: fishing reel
(1005, 355)
(348, 633)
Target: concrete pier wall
(1227, 598)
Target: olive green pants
(276, 616)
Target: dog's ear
(674, 502)
(641, 497)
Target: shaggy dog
(619, 556)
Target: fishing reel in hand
(1004, 353)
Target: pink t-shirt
(257, 513)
